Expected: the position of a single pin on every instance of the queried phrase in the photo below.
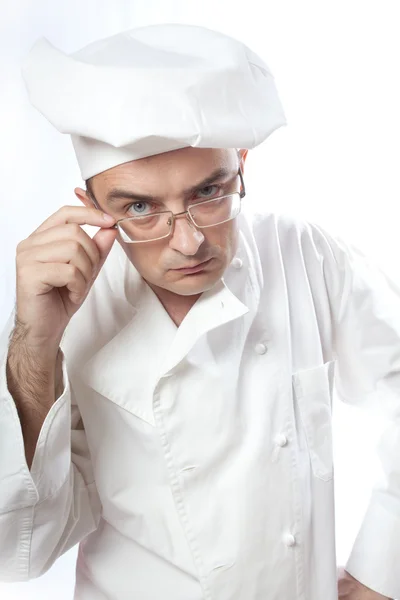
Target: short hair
(89, 188)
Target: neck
(176, 306)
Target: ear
(243, 155)
(83, 197)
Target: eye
(209, 191)
(139, 208)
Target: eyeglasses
(159, 225)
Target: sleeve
(365, 305)
(44, 511)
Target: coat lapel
(128, 367)
(125, 369)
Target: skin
(165, 177)
(351, 589)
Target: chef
(166, 386)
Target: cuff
(375, 557)
(20, 486)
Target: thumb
(104, 240)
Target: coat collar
(127, 369)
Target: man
(166, 399)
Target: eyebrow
(118, 193)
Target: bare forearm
(34, 379)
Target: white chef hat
(153, 89)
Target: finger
(41, 278)
(81, 215)
(71, 232)
(65, 252)
(104, 240)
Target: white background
(336, 163)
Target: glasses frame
(241, 193)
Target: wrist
(23, 342)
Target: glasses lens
(146, 228)
(214, 212)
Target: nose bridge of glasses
(186, 239)
(181, 214)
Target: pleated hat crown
(151, 90)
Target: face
(191, 260)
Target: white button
(289, 539)
(261, 348)
(237, 263)
(281, 439)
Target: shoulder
(291, 235)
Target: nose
(185, 238)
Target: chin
(191, 286)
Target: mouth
(195, 269)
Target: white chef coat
(196, 462)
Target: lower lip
(196, 269)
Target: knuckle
(74, 246)
(20, 247)
(66, 209)
(74, 229)
(73, 271)
(23, 271)
(20, 260)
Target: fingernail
(108, 218)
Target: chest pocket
(313, 390)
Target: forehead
(178, 168)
